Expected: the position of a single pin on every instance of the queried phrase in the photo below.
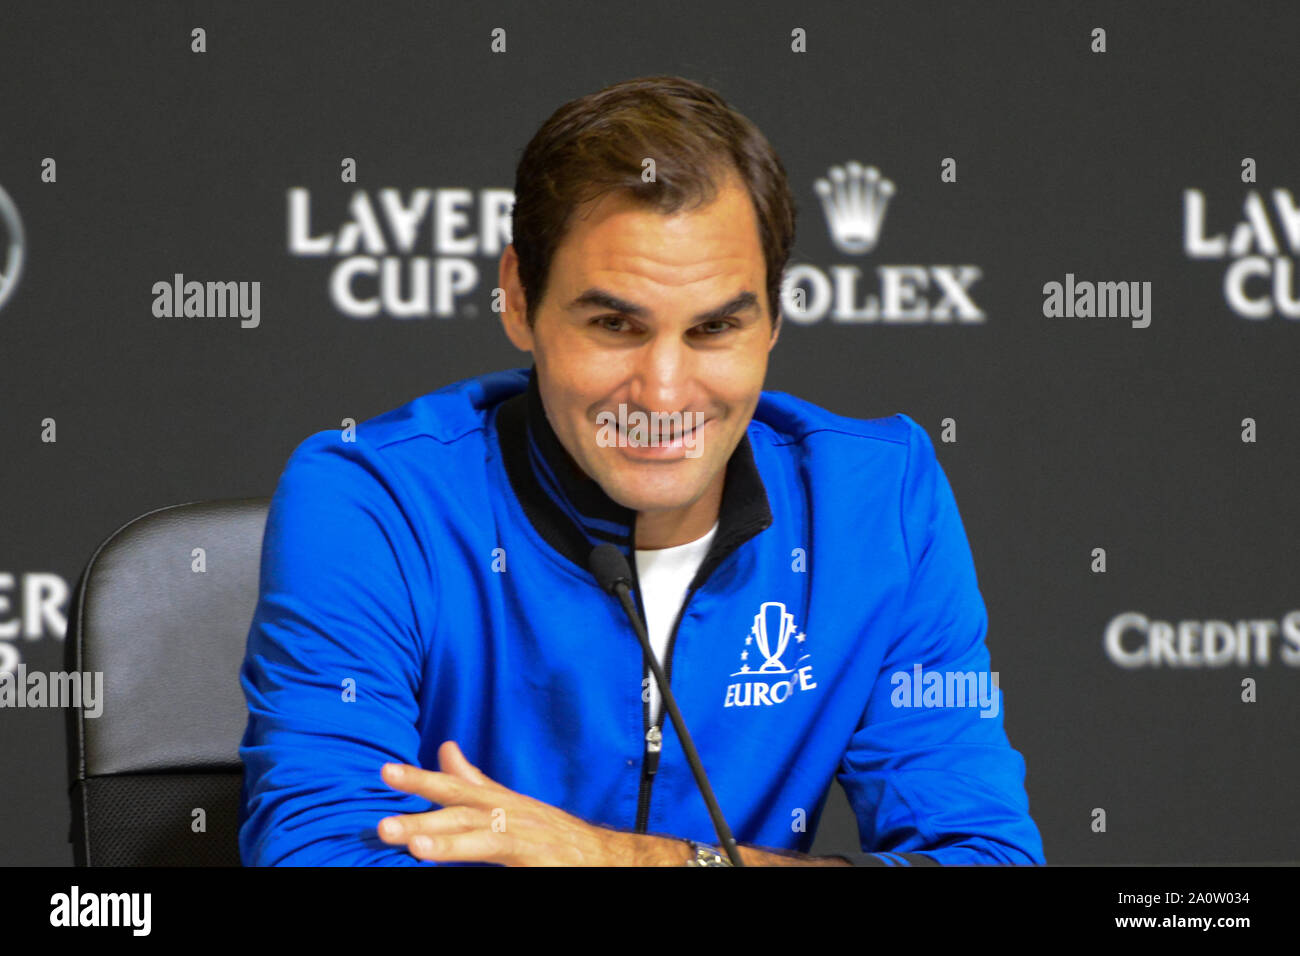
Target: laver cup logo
(765, 678)
(1259, 280)
(12, 246)
(412, 256)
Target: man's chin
(649, 494)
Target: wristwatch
(705, 855)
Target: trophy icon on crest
(772, 618)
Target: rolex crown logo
(854, 200)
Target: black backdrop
(1071, 433)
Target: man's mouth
(668, 439)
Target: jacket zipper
(653, 732)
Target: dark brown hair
(597, 142)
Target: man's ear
(514, 315)
(776, 329)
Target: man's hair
(596, 143)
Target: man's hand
(483, 821)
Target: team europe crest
(772, 661)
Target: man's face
(625, 320)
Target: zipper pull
(653, 744)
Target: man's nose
(663, 375)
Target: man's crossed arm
(483, 821)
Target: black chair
(169, 639)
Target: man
(426, 600)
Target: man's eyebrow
(600, 299)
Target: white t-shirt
(665, 575)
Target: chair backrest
(162, 610)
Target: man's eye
(722, 322)
(719, 325)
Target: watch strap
(705, 855)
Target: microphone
(615, 577)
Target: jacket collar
(573, 513)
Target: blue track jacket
(428, 581)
